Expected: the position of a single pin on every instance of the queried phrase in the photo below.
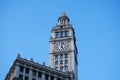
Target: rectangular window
(61, 27)
(61, 56)
(66, 55)
(56, 56)
(56, 63)
(64, 21)
(33, 79)
(21, 77)
(39, 74)
(26, 78)
(61, 34)
(21, 68)
(34, 73)
(27, 70)
(66, 61)
(66, 33)
(51, 78)
(57, 35)
(66, 68)
(58, 79)
(46, 77)
(61, 62)
(61, 68)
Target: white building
(63, 50)
(62, 57)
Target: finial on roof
(43, 63)
(31, 59)
(63, 14)
(18, 55)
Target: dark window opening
(61, 68)
(46, 77)
(61, 34)
(61, 62)
(33, 79)
(61, 56)
(21, 77)
(56, 63)
(34, 73)
(66, 68)
(66, 33)
(51, 78)
(56, 56)
(21, 68)
(27, 70)
(58, 79)
(26, 78)
(61, 27)
(57, 35)
(39, 74)
(66, 61)
(66, 55)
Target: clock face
(61, 46)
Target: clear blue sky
(25, 28)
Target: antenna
(63, 8)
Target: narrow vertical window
(21, 77)
(26, 78)
(66, 61)
(58, 79)
(39, 74)
(61, 27)
(63, 21)
(27, 71)
(66, 55)
(66, 68)
(57, 35)
(61, 68)
(66, 33)
(56, 56)
(51, 78)
(46, 77)
(61, 62)
(21, 68)
(56, 63)
(34, 73)
(33, 79)
(61, 56)
(61, 34)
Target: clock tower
(63, 50)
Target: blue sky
(25, 28)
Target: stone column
(30, 73)
(43, 75)
(24, 71)
(49, 76)
(17, 70)
(55, 77)
(37, 74)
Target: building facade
(63, 64)
(23, 69)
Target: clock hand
(62, 46)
